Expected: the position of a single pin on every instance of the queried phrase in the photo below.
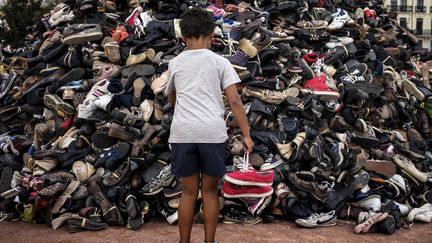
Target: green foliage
(19, 15)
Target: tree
(19, 16)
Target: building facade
(416, 15)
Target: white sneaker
(147, 109)
(340, 18)
(315, 220)
(85, 110)
(104, 102)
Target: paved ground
(158, 231)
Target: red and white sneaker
(250, 177)
(318, 87)
(231, 191)
(133, 17)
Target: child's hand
(248, 144)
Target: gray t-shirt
(198, 78)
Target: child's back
(198, 77)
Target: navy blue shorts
(187, 159)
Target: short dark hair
(196, 23)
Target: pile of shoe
(337, 95)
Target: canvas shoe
(250, 177)
(231, 191)
(170, 214)
(318, 86)
(318, 220)
(272, 162)
(257, 208)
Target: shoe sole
(411, 170)
(82, 38)
(271, 166)
(172, 218)
(246, 183)
(263, 206)
(138, 87)
(59, 105)
(5, 180)
(411, 88)
(240, 222)
(169, 195)
(322, 95)
(248, 195)
(237, 67)
(152, 193)
(386, 168)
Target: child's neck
(198, 43)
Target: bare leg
(209, 189)
(186, 211)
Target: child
(198, 132)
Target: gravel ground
(158, 231)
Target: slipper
(62, 219)
(75, 225)
(138, 86)
(365, 226)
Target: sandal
(365, 226)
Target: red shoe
(250, 177)
(369, 13)
(318, 86)
(231, 191)
(311, 58)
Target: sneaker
(272, 162)
(234, 216)
(231, 191)
(257, 208)
(170, 214)
(239, 60)
(318, 86)
(250, 177)
(340, 18)
(174, 189)
(164, 178)
(315, 220)
(81, 33)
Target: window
(420, 44)
(420, 6)
(403, 5)
(419, 27)
(420, 3)
(393, 5)
(403, 22)
(430, 47)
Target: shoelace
(327, 185)
(313, 217)
(317, 66)
(245, 167)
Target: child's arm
(172, 98)
(239, 113)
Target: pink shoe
(231, 191)
(250, 177)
